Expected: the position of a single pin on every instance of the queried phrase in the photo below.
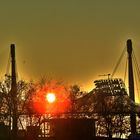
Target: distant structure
(112, 87)
(13, 93)
(81, 123)
(131, 86)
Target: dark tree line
(110, 111)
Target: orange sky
(72, 40)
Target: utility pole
(14, 93)
(131, 86)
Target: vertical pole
(14, 93)
(131, 86)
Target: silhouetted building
(74, 129)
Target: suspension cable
(136, 65)
(125, 72)
(137, 89)
(8, 66)
(136, 82)
(136, 74)
(118, 63)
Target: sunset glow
(51, 97)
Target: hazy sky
(74, 40)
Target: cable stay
(7, 74)
(8, 68)
(118, 63)
(136, 75)
(125, 71)
(136, 85)
(136, 70)
(136, 65)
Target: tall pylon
(13, 93)
(131, 86)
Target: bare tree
(6, 104)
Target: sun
(51, 97)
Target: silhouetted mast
(131, 86)
(14, 92)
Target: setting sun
(50, 97)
